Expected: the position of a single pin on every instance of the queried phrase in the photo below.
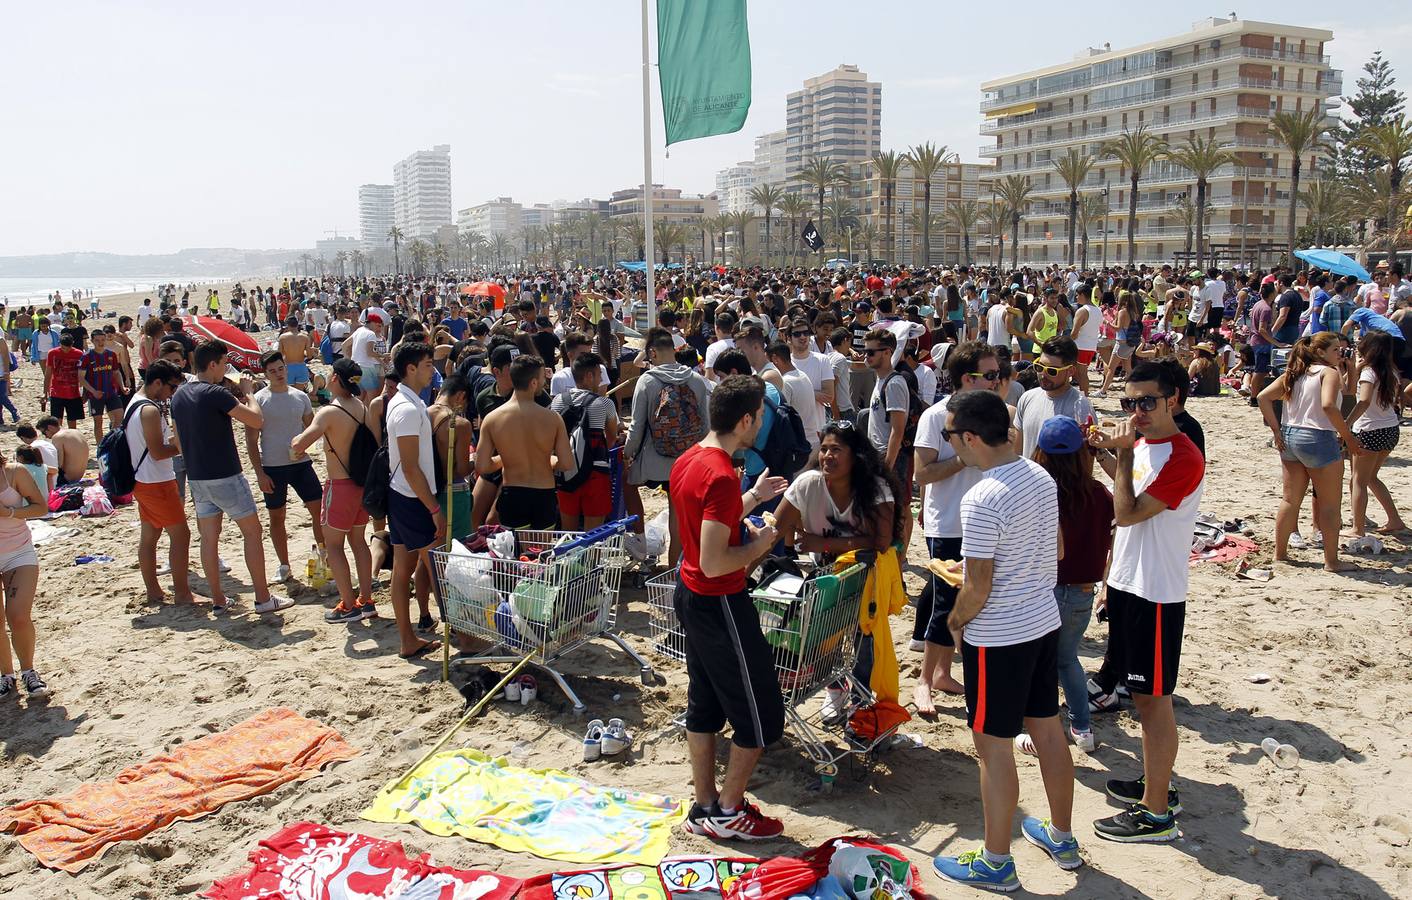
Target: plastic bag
(656, 534)
(95, 502)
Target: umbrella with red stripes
(244, 349)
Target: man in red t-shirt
(729, 665)
(61, 381)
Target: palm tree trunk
(1073, 217)
(966, 245)
(1200, 219)
(891, 235)
(1293, 206)
(1132, 219)
(927, 222)
(1083, 245)
(1015, 241)
(767, 237)
(821, 218)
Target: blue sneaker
(1065, 853)
(971, 868)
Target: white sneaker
(1100, 394)
(835, 706)
(274, 604)
(1084, 740)
(917, 646)
(282, 574)
(616, 738)
(222, 565)
(1297, 542)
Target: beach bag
(377, 484)
(786, 447)
(67, 497)
(590, 446)
(675, 420)
(95, 502)
(116, 471)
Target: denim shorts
(1312, 448)
(371, 382)
(230, 495)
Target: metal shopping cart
(555, 592)
(814, 635)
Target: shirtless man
(294, 346)
(343, 515)
(72, 447)
(528, 443)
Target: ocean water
(28, 291)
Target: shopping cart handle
(589, 538)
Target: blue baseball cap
(1060, 435)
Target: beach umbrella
(1334, 262)
(485, 289)
(244, 349)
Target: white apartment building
(733, 186)
(422, 192)
(769, 157)
(500, 217)
(668, 204)
(1223, 80)
(837, 115)
(375, 218)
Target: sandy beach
(130, 680)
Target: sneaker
(615, 738)
(1122, 692)
(835, 706)
(1099, 394)
(1084, 740)
(917, 646)
(34, 685)
(7, 687)
(1064, 853)
(222, 565)
(283, 573)
(1130, 793)
(1137, 825)
(1102, 703)
(695, 822)
(745, 824)
(274, 604)
(367, 610)
(971, 868)
(1297, 542)
(341, 613)
(592, 740)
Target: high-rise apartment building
(1222, 81)
(733, 186)
(422, 192)
(769, 157)
(837, 115)
(375, 218)
(500, 217)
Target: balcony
(1154, 125)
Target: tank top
(40, 473)
(1049, 328)
(1133, 333)
(14, 533)
(1087, 336)
(1179, 318)
(1304, 408)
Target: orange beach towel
(194, 779)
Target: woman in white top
(844, 505)
(1308, 439)
(1375, 424)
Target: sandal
(423, 650)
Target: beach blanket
(541, 811)
(1232, 547)
(844, 868)
(305, 861)
(678, 878)
(255, 757)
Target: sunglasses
(1146, 404)
(869, 351)
(1051, 371)
(988, 376)
(801, 334)
(948, 433)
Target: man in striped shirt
(1007, 626)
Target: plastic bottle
(317, 569)
(1282, 755)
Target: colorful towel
(314, 862)
(255, 757)
(1233, 547)
(541, 811)
(678, 878)
(845, 868)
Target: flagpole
(648, 249)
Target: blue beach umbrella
(1335, 262)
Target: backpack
(590, 446)
(675, 420)
(326, 350)
(786, 447)
(377, 483)
(915, 405)
(116, 471)
(360, 450)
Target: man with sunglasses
(820, 375)
(1156, 497)
(1055, 396)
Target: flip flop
(421, 651)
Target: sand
(131, 679)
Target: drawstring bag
(95, 502)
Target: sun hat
(1060, 435)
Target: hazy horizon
(150, 130)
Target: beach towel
(883, 596)
(678, 878)
(1230, 548)
(305, 861)
(844, 868)
(541, 811)
(255, 757)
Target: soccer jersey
(1150, 557)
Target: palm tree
(1073, 168)
(499, 249)
(1375, 198)
(637, 237)
(1186, 214)
(889, 167)
(963, 217)
(741, 222)
(919, 223)
(1202, 156)
(1091, 210)
(1327, 201)
(926, 160)
(441, 256)
(591, 222)
(822, 174)
(1301, 133)
(1135, 151)
(342, 257)
(613, 228)
(394, 234)
(1392, 142)
(664, 234)
(867, 235)
(306, 259)
(794, 207)
(841, 213)
(995, 217)
(767, 197)
(421, 252)
(1014, 191)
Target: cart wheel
(648, 676)
(580, 709)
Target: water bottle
(1282, 755)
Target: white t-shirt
(942, 499)
(1150, 559)
(1011, 516)
(562, 381)
(926, 384)
(337, 330)
(47, 452)
(997, 334)
(881, 407)
(818, 514)
(144, 312)
(152, 470)
(361, 350)
(407, 416)
(1376, 415)
(715, 349)
(819, 371)
(1213, 294)
(799, 393)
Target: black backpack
(377, 483)
(915, 405)
(786, 449)
(590, 446)
(116, 471)
(360, 450)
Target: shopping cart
(557, 591)
(814, 637)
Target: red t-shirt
(705, 486)
(63, 370)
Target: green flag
(703, 60)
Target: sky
(149, 127)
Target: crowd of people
(825, 401)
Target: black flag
(811, 236)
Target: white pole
(648, 250)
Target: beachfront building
(769, 157)
(501, 217)
(733, 186)
(375, 217)
(421, 194)
(668, 205)
(837, 115)
(954, 183)
(1223, 81)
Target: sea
(29, 291)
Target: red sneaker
(745, 824)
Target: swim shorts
(343, 505)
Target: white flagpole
(648, 250)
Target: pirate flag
(811, 236)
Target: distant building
(375, 218)
(422, 192)
(329, 248)
(769, 159)
(733, 186)
(837, 115)
(500, 217)
(537, 216)
(953, 183)
(668, 204)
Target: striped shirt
(1011, 516)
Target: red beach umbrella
(244, 349)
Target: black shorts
(1404, 367)
(730, 669)
(409, 523)
(1214, 316)
(943, 594)
(66, 408)
(1006, 685)
(658, 485)
(527, 507)
(99, 406)
(1145, 640)
(300, 476)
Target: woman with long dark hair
(846, 504)
(1374, 420)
